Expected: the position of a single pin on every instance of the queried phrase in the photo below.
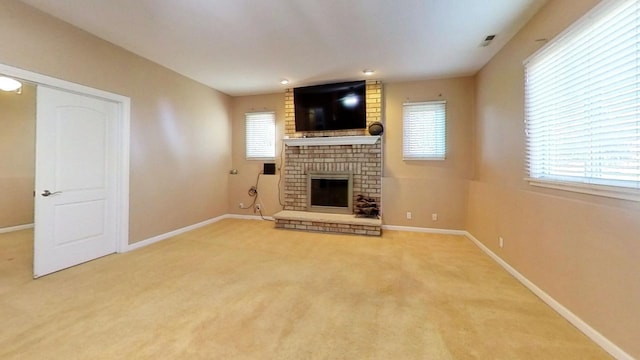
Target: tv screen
(330, 107)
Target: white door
(75, 213)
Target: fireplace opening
(330, 192)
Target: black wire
(253, 192)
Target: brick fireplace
(351, 152)
(362, 161)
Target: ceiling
(246, 47)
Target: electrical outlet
(408, 215)
(434, 217)
(501, 242)
(258, 207)
(241, 205)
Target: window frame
(441, 129)
(557, 182)
(247, 120)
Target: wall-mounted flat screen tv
(337, 106)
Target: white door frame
(122, 147)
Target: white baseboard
(173, 233)
(248, 217)
(177, 232)
(424, 230)
(592, 333)
(15, 228)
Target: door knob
(49, 193)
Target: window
(582, 105)
(423, 131)
(260, 129)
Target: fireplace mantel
(332, 140)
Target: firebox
(330, 192)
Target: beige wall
(582, 250)
(180, 129)
(248, 170)
(422, 187)
(17, 156)
(428, 187)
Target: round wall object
(376, 128)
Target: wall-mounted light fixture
(368, 72)
(284, 81)
(9, 84)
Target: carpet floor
(240, 289)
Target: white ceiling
(244, 47)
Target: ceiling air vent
(487, 40)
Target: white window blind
(424, 130)
(582, 101)
(260, 130)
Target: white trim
(260, 158)
(591, 189)
(173, 233)
(124, 120)
(122, 185)
(59, 83)
(424, 158)
(170, 234)
(15, 228)
(424, 230)
(590, 332)
(332, 140)
(248, 217)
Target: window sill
(597, 190)
(423, 158)
(261, 159)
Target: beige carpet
(239, 289)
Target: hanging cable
(253, 192)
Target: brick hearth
(340, 223)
